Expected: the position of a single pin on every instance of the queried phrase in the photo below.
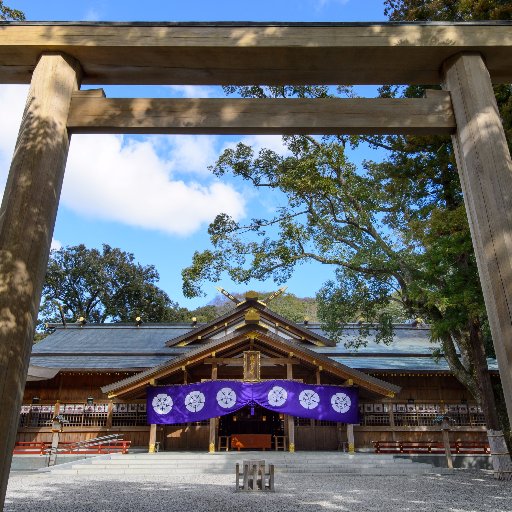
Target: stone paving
(462, 491)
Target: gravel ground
(463, 491)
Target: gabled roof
(238, 337)
(237, 316)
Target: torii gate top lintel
(246, 53)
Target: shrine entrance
(252, 420)
(253, 424)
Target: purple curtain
(196, 402)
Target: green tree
(288, 305)
(394, 231)
(7, 13)
(106, 285)
(447, 10)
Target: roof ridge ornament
(228, 295)
(274, 295)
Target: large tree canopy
(395, 231)
(7, 13)
(447, 10)
(106, 285)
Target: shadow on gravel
(466, 491)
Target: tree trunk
(486, 397)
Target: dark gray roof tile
(119, 339)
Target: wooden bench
(258, 441)
(463, 448)
(254, 476)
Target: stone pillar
(500, 455)
(485, 170)
(56, 430)
(445, 426)
(27, 219)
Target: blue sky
(154, 196)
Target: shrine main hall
(249, 379)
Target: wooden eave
(136, 382)
(236, 316)
(248, 53)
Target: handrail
(98, 445)
(426, 447)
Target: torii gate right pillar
(485, 170)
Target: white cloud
(259, 142)
(133, 181)
(189, 153)
(273, 142)
(92, 14)
(108, 178)
(56, 245)
(192, 91)
(12, 101)
(320, 4)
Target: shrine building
(250, 378)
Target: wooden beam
(27, 219)
(238, 361)
(430, 115)
(255, 53)
(485, 170)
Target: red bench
(41, 448)
(465, 448)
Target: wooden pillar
(392, 420)
(211, 446)
(485, 170)
(290, 419)
(350, 426)
(350, 438)
(110, 414)
(152, 438)
(27, 219)
(312, 421)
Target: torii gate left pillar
(27, 220)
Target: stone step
(264, 454)
(224, 463)
(166, 471)
(230, 467)
(212, 459)
(210, 463)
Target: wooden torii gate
(56, 58)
